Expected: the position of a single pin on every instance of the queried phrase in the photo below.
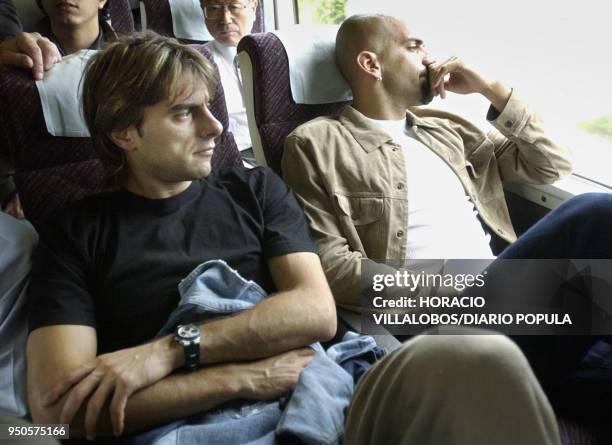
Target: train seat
(120, 15)
(271, 109)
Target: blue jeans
(17, 241)
(580, 228)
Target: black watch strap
(192, 355)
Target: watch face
(188, 331)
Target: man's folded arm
(56, 350)
(524, 150)
(300, 313)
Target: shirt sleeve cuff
(512, 119)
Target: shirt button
(354, 215)
(509, 124)
(400, 234)
(400, 186)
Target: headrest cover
(313, 73)
(61, 96)
(188, 20)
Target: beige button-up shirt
(350, 178)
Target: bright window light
(555, 54)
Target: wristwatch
(188, 336)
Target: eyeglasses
(215, 12)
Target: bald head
(364, 32)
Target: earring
(379, 78)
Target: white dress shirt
(225, 58)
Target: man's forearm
(182, 395)
(498, 94)
(275, 325)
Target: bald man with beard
(389, 180)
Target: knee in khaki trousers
(452, 389)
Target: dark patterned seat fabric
(159, 17)
(276, 113)
(50, 171)
(121, 17)
(574, 433)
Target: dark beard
(426, 92)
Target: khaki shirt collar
(370, 136)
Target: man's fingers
(65, 384)
(95, 405)
(438, 71)
(50, 53)
(16, 59)
(442, 90)
(76, 397)
(78, 394)
(30, 51)
(117, 409)
(27, 43)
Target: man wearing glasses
(228, 21)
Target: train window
(323, 12)
(556, 57)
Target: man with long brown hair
(106, 274)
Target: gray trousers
(17, 241)
(451, 389)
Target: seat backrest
(51, 171)
(121, 16)
(156, 14)
(159, 17)
(271, 110)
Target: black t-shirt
(114, 261)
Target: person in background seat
(228, 21)
(69, 26)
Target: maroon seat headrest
(121, 16)
(276, 113)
